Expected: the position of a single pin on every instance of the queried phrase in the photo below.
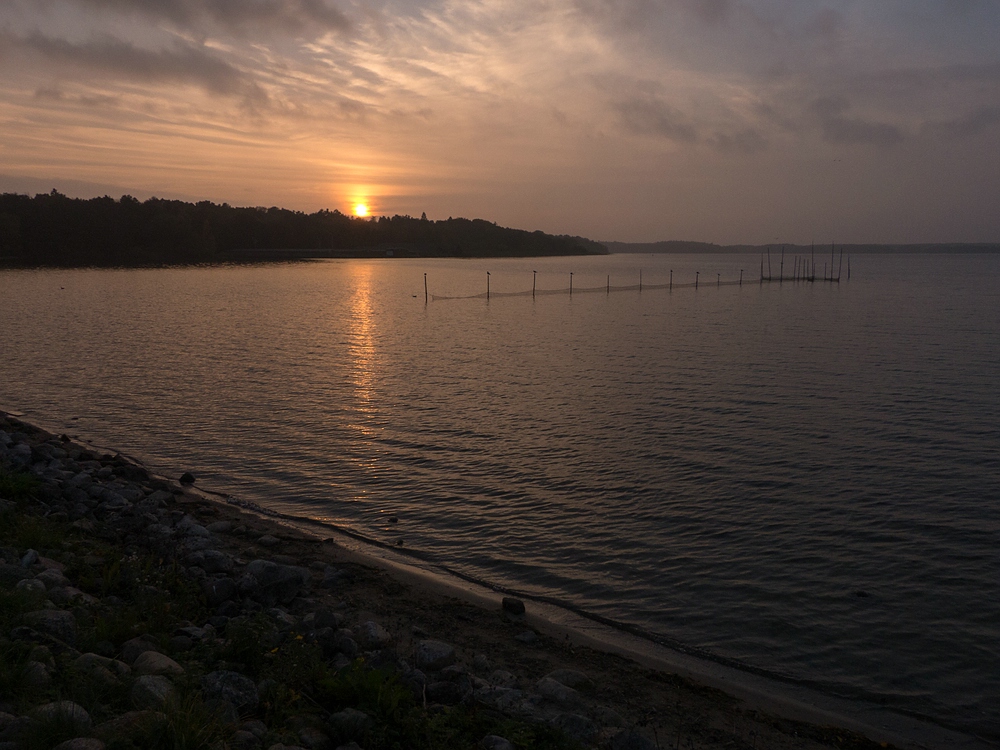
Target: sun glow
(360, 209)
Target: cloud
(299, 18)
(747, 141)
(646, 116)
(183, 63)
(967, 126)
(837, 128)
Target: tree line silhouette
(51, 229)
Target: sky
(724, 121)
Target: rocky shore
(135, 613)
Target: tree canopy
(55, 230)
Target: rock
(630, 739)
(81, 743)
(270, 583)
(512, 606)
(557, 692)
(11, 574)
(481, 663)
(434, 655)
(314, 739)
(151, 691)
(52, 578)
(495, 742)
(446, 693)
(151, 662)
(233, 687)
(220, 527)
(257, 728)
(223, 711)
(243, 740)
(63, 711)
(499, 698)
(351, 723)
(219, 590)
(187, 478)
(580, 728)
(54, 622)
(31, 585)
(502, 678)
(572, 678)
(267, 540)
(608, 717)
(29, 559)
(134, 648)
(527, 637)
(37, 674)
(90, 661)
(134, 725)
(372, 636)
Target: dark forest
(51, 229)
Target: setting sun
(360, 209)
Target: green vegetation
(54, 230)
(141, 594)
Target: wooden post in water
(781, 268)
(718, 279)
(848, 267)
(840, 270)
(831, 261)
(640, 280)
(741, 277)
(425, 288)
(487, 285)
(609, 283)
(696, 279)
(812, 275)
(762, 268)
(768, 262)
(570, 283)
(671, 288)
(533, 275)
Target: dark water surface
(803, 478)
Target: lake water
(803, 479)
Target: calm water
(727, 467)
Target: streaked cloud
(577, 116)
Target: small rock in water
(187, 478)
(268, 541)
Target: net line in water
(605, 289)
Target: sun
(360, 209)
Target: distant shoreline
(684, 247)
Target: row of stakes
(718, 279)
